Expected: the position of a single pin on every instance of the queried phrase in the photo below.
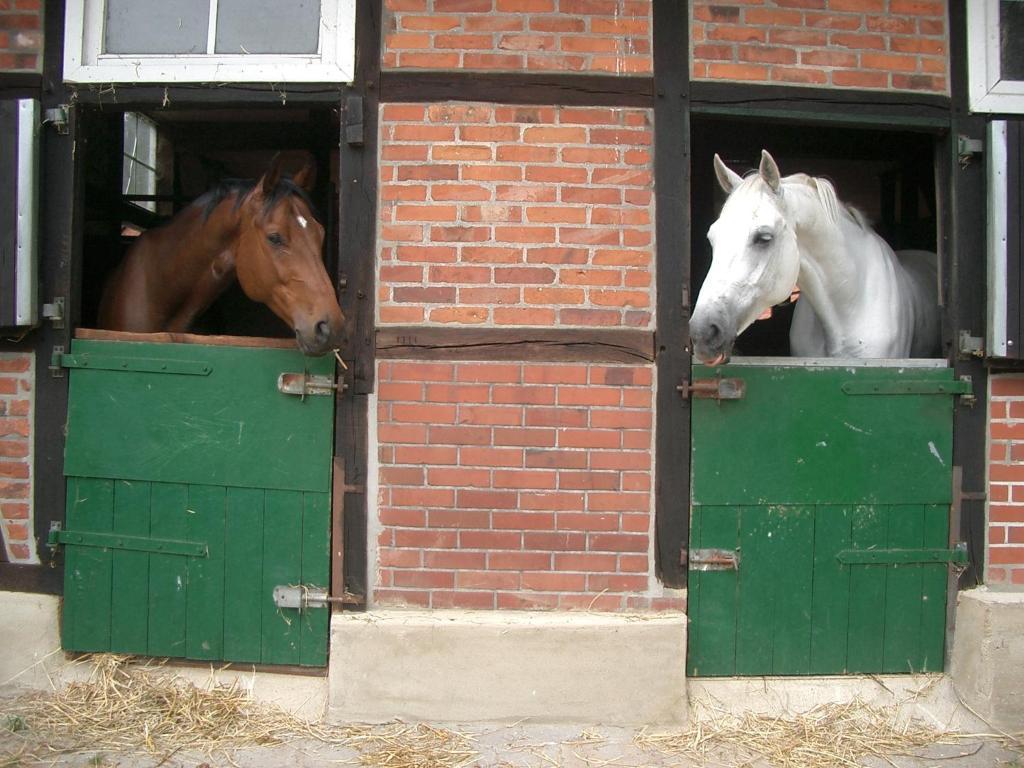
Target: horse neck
(195, 262)
(845, 270)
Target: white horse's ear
(727, 179)
(769, 171)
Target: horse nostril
(322, 331)
(714, 333)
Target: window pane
(156, 26)
(1011, 35)
(268, 26)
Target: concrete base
(925, 698)
(988, 655)
(466, 666)
(32, 659)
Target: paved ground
(525, 746)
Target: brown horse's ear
(265, 186)
(306, 177)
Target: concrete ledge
(988, 655)
(32, 659)
(468, 666)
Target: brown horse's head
(279, 260)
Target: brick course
(1006, 481)
(516, 485)
(21, 36)
(876, 44)
(17, 378)
(586, 36)
(531, 216)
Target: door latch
(713, 389)
(302, 596)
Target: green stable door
(195, 486)
(819, 530)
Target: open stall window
(139, 176)
(1005, 241)
(183, 41)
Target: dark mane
(239, 188)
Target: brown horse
(263, 234)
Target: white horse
(857, 298)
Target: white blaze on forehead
(302, 220)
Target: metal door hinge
(301, 596)
(962, 387)
(58, 118)
(54, 312)
(967, 148)
(971, 346)
(57, 362)
(955, 556)
(712, 559)
(107, 540)
(713, 389)
(303, 384)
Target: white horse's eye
(762, 237)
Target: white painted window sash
(987, 90)
(85, 62)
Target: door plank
(205, 604)
(756, 594)
(282, 548)
(316, 551)
(791, 578)
(243, 574)
(168, 574)
(88, 570)
(129, 620)
(867, 591)
(902, 642)
(933, 591)
(715, 653)
(830, 600)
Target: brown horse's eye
(275, 239)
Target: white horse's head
(754, 263)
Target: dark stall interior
(142, 167)
(888, 175)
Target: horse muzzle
(321, 336)
(712, 338)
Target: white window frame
(987, 89)
(85, 62)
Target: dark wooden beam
(517, 88)
(672, 200)
(835, 106)
(357, 232)
(963, 236)
(525, 344)
(206, 95)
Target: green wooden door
(819, 522)
(194, 487)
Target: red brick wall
(1006, 481)
(883, 44)
(502, 215)
(21, 35)
(592, 36)
(16, 387)
(515, 485)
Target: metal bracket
(56, 362)
(54, 312)
(961, 386)
(106, 540)
(134, 364)
(713, 389)
(971, 346)
(301, 596)
(354, 120)
(713, 559)
(302, 384)
(966, 148)
(955, 556)
(58, 118)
